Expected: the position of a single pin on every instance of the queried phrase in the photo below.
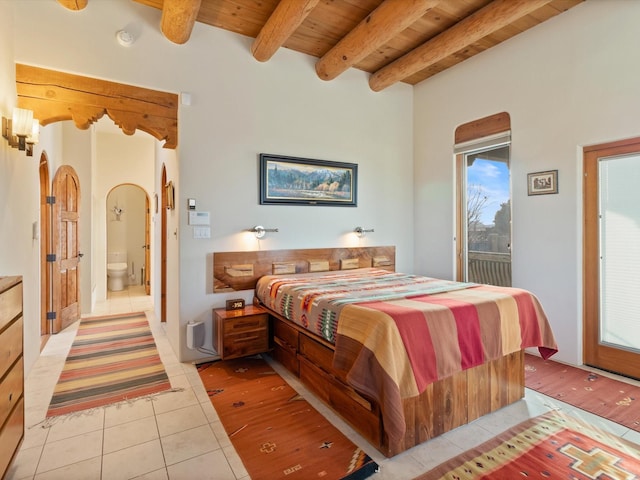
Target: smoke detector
(124, 38)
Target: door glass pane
(488, 218)
(619, 200)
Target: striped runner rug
(112, 359)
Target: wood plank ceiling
(393, 40)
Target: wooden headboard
(234, 271)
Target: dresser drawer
(11, 390)
(10, 345)
(287, 336)
(11, 436)
(355, 409)
(10, 304)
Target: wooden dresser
(11, 371)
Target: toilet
(116, 270)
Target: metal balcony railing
(490, 268)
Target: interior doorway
(127, 230)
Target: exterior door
(484, 218)
(66, 246)
(612, 257)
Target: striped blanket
(394, 333)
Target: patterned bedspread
(394, 333)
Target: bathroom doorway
(128, 240)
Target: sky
(494, 179)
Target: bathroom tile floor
(178, 435)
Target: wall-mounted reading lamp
(259, 231)
(361, 231)
(21, 131)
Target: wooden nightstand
(238, 333)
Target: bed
(402, 358)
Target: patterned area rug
(112, 359)
(614, 400)
(276, 432)
(549, 446)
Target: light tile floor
(178, 435)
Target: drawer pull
(246, 324)
(246, 339)
(10, 397)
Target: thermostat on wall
(198, 218)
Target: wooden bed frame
(443, 406)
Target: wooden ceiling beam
(73, 4)
(282, 23)
(178, 19)
(56, 96)
(380, 26)
(485, 21)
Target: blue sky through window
(493, 177)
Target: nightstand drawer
(244, 344)
(234, 326)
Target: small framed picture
(542, 183)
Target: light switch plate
(201, 232)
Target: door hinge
(51, 257)
(51, 315)
(51, 200)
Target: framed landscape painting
(304, 181)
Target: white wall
(19, 198)
(240, 108)
(570, 82)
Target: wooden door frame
(163, 246)
(147, 246)
(45, 248)
(595, 354)
(467, 132)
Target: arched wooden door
(66, 245)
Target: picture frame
(542, 183)
(305, 181)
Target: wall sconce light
(359, 231)
(21, 131)
(259, 231)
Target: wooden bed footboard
(443, 406)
